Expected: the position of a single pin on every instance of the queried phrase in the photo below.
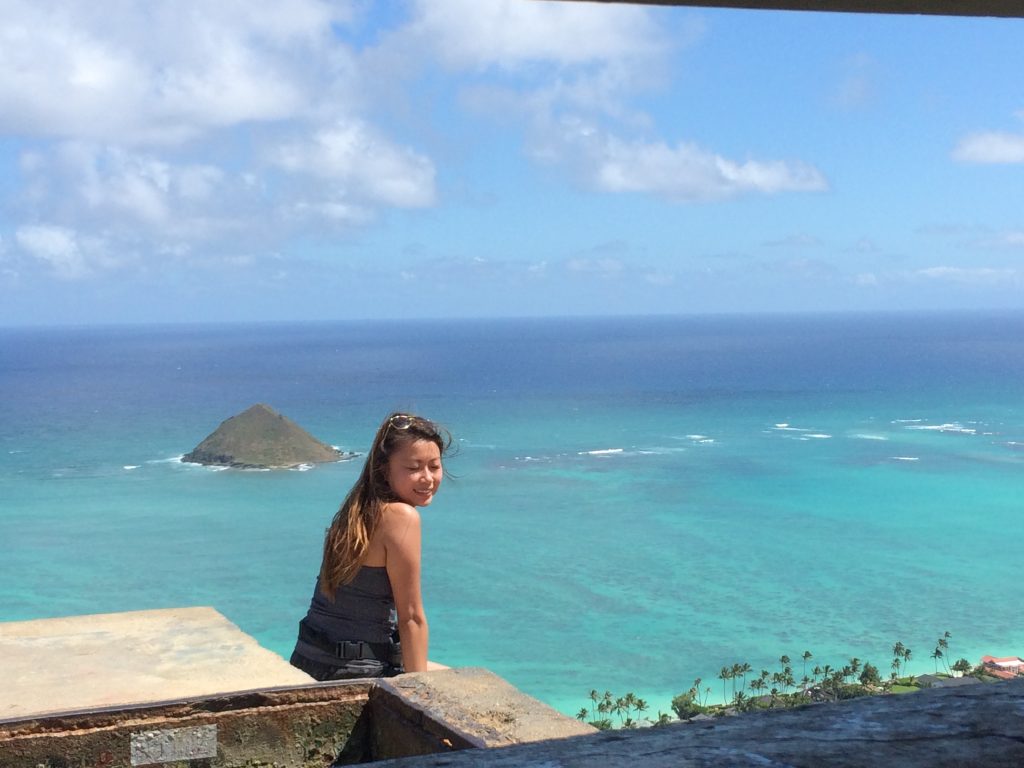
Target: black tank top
(363, 609)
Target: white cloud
(857, 87)
(57, 247)
(156, 72)
(601, 267)
(681, 173)
(973, 275)
(510, 34)
(358, 161)
(991, 147)
(1012, 239)
(129, 190)
(796, 240)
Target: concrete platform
(113, 660)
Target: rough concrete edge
(419, 717)
(252, 698)
(439, 706)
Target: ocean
(634, 502)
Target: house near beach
(1005, 667)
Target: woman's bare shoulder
(399, 514)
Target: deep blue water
(635, 502)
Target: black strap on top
(349, 650)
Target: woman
(368, 589)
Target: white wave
(786, 428)
(660, 450)
(130, 466)
(301, 468)
(954, 427)
(861, 436)
(907, 421)
(820, 436)
(600, 452)
(697, 437)
(179, 459)
(905, 458)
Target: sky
(188, 161)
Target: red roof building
(1004, 666)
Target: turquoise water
(636, 502)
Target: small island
(261, 438)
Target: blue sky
(301, 160)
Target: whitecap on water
(954, 427)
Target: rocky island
(261, 438)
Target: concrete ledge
(302, 727)
(430, 712)
(120, 659)
(980, 725)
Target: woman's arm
(400, 529)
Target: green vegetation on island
(745, 691)
(261, 438)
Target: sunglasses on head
(403, 421)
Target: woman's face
(415, 472)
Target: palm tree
(743, 671)
(737, 670)
(936, 655)
(854, 666)
(617, 708)
(757, 685)
(630, 701)
(640, 706)
(595, 697)
(807, 656)
(944, 645)
(583, 714)
(724, 674)
(897, 654)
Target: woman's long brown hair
(348, 538)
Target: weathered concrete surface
(430, 712)
(299, 727)
(1006, 8)
(980, 725)
(82, 662)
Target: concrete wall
(303, 727)
(307, 726)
